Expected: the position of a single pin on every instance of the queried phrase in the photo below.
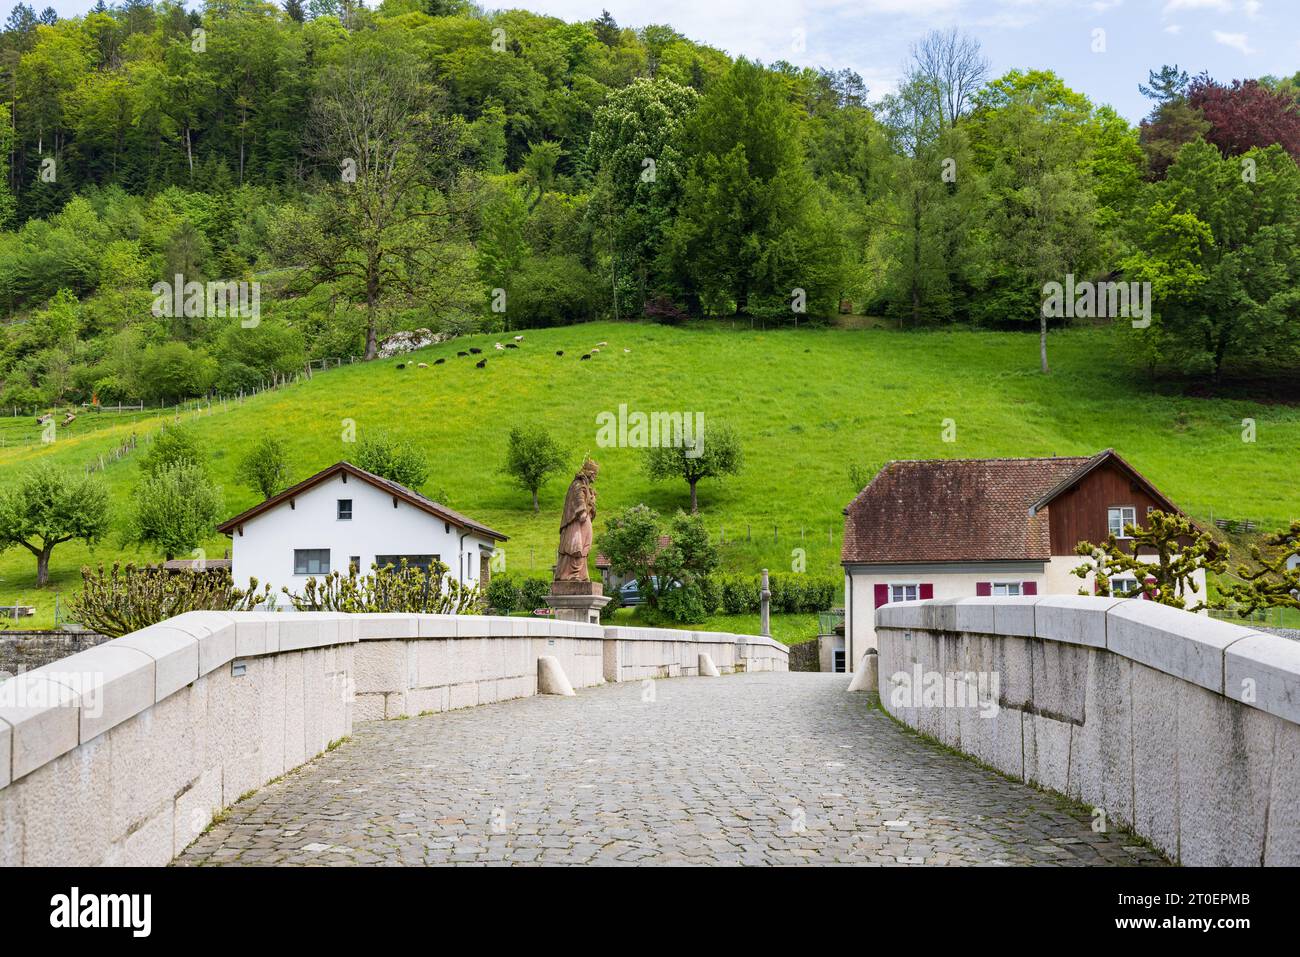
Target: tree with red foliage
(1245, 115)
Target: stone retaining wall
(123, 753)
(1184, 728)
(25, 650)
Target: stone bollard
(551, 678)
(707, 668)
(867, 677)
(765, 609)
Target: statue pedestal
(577, 601)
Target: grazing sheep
(474, 350)
(511, 345)
(626, 351)
(498, 346)
(424, 365)
(585, 356)
(481, 364)
(439, 362)
(602, 343)
(401, 365)
(594, 351)
(519, 338)
(559, 352)
(462, 354)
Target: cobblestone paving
(744, 769)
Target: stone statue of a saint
(575, 526)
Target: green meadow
(809, 405)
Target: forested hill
(425, 164)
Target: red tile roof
(952, 510)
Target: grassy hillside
(807, 404)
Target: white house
(950, 528)
(345, 517)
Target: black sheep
(401, 365)
(439, 362)
(462, 354)
(511, 345)
(587, 356)
(474, 350)
(559, 352)
(481, 364)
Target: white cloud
(1252, 8)
(1221, 6)
(1174, 28)
(1238, 41)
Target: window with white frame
(904, 592)
(1123, 586)
(1118, 517)
(311, 561)
(345, 510)
(1006, 588)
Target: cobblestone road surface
(744, 769)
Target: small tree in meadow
(265, 468)
(714, 453)
(532, 456)
(48, 507)
(173, 445)
(391, 458)
(1179, 548)
(175, 510)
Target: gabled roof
(1106, 455)
(954, 510)
(383, 484)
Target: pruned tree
(47, 507)
(128, 598)
(714, 453)
(1175, 551)
(532, 456)
(1274, 581)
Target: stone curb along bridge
(1182, 728)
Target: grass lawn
(787, 629)
(807, 404)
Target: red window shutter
(984, 588)
(927, 590)
(1149, 589)
(1029, 588)
(882, 595)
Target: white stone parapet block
(707, 668)
(551, 678)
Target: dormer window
(345, 510)
(1119, 517)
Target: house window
(345, 510)
(903, 592)
(1006, 588)
(354, 565)
(422, 562)
(1120, 516)
(1120, 587)
(311, 561)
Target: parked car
(630, 593)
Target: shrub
(129, 598)
(684, 604)
(503, 595)
(404, 589)
(533, 592)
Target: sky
(1103, 48)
